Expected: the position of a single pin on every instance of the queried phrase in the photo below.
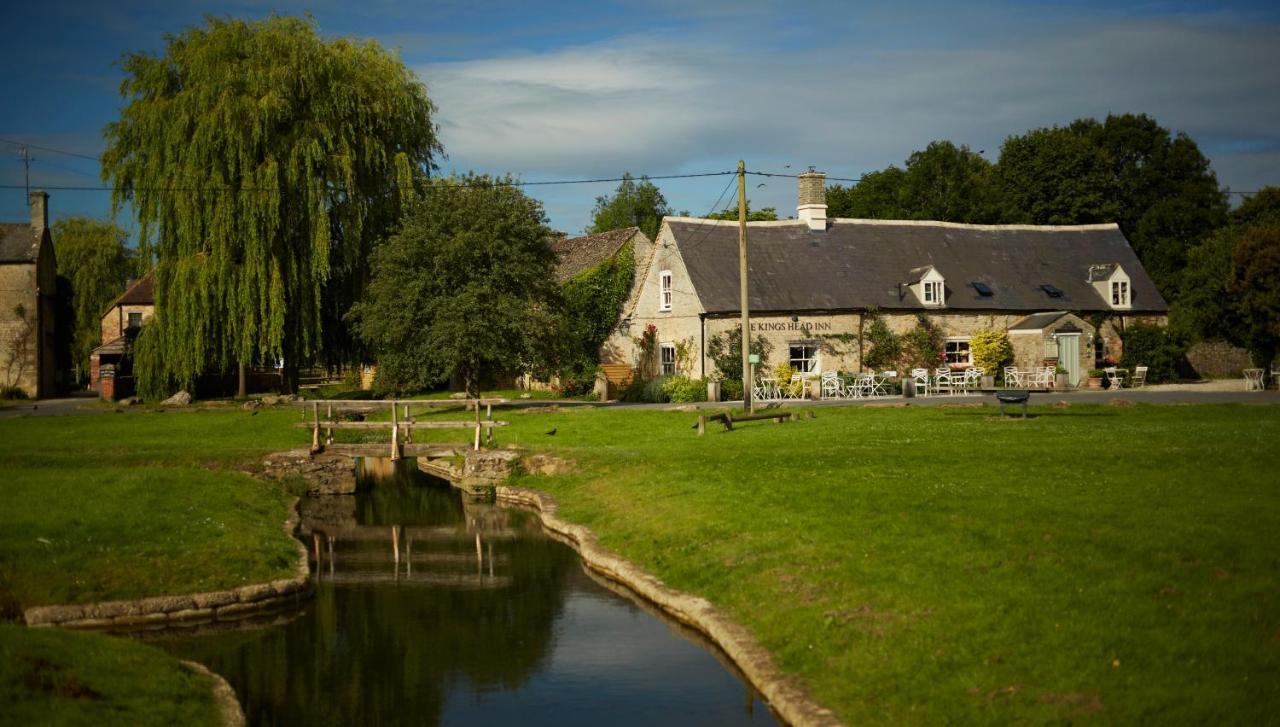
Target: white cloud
(660, 103)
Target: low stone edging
(790, 701)
(159, 611)
(230, 713)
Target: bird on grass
(552, 433)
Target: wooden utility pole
(742, 285)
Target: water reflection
(429, 610)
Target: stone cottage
(119, 324)
(28, 302)
(815, 284)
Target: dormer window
(929, 286)
(664, 300)
(1112, 284)
(1120, 293)
(932, 292)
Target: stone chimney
(39, 202)
(812, 208)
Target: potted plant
(1063, 378)
(1095, 378)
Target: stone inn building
(814, 284)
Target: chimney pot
(39, 202)
(812, 206)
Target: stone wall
(18, 288)
(1218, 358)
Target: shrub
(922, 346)
(648, 391)
(12, 392)
(885, 349)
(1153, 347)
(683, 389)
(991, 351)
(730, 390)
(783, 372)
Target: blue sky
(563, 90)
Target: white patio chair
(942, 381)
(832, 385)
(876, 384)
(1139, 377)
(972, 379)
(1011, 376)
(921, 377)
(795, 388)
(1275, 373)
(1044, 376)
(1114, 378)
(766, 389)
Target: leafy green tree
(1261, 206)
(1154, 347)
(1254, 283)
(1128, 169)
(876, 196)
(633, 204)
(92, 256)
(764, 214)
(942, 182)
(465, 290)
(1204, 310)
(263, 162)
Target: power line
(434, 184)
(50, 149)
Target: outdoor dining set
(835, 385)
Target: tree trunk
(289, 377)
(242, 384)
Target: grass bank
(102, 507)
(49, 676)
(931, 565)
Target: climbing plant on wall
(593, 301)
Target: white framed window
(1119, 292)
(804, 357)
(957, 352)
(664, 300)
(135, 319)
(668, 359)
(933, 292)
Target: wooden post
(315, 431)
(395, 434)
(488, 410)
(328, 435)
(477, 444)
(742, 285)
(702, 425)
(408, 429)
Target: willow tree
(262, 161)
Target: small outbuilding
(28, 303)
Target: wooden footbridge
(402, 424)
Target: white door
(1069, 355)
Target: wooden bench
(1013, 396)
(728, 419)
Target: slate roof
(583, 253)
(18, 243)
(140, 293)
(858, 264)
(1037, 321)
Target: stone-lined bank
(161, 611)
(786, 697)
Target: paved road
(80, 405)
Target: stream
(430, 609)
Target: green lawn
(930, 565)
(54, 677)
(101, 507)
(910, 565)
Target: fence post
(328, 435)
(477, 443)
(395, 433)
(316, 447)
(488, 410)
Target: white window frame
(931, 296)
(1120, 293)
(968, 351)
(667, 359)
(664, 290)
(814, 358)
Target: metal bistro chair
(795, 388)
(864, 385)
(972, 379)
(1044, 376)
(1116, 381)
(1139, 377)
(832, 385)
(921, 377)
